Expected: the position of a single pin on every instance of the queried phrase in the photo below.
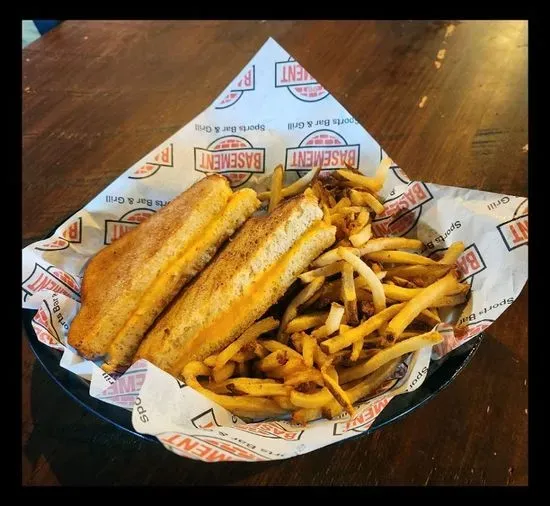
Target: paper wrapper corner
(273, 112)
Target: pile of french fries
(365, 305)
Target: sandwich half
(130, 282)
(247, 277)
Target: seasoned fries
(399, 257)
(378, 295)
(276, 187)
(341, 338)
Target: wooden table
(97, 96)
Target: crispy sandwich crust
(117, 283)
(249, 275)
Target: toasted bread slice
(248, 276)
(128, 284)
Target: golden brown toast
(248, 276)
(128, 284)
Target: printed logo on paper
(163, 158)
(401, 213)
(72, 233)
(53, 244)
(232, 156)
(515, 232)
(206, 420)
(52, 279)
(469, 263)
(44, 328)
(270, 430)
(324, 148)
(472, 329)
(299, 82)
(115, 229)
(125, 389)
(209, 448)
(245, 83)
(362, 421)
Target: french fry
(223, 373)
(303, 415)
(320, 358)
(356, 348)
(244, 406)
(292, 309)
(342, 203)
(338, 393)
(451, 255)
(257, 389)
(370, 183)
(359, 223)
(399, 257)
(391, 243)
(346, 339)
(430, 272)
(315, 400)
(388, 354)
(210, 361)
(272, 345)
(284, 402)
(273, 360)
(326, 214)
(364, 388)
(297, 187)
(248, 336)
(332, 323)
(332, 256)
(259, 350)
(308, 345)
(404, 283)
(450, 300)
(364, 198)
(378, 296)
(276, 187)
(326, 271)
(306, 322)
(382, 171)
(293, 366)
(349, 295)
(362, 237)
(417, 304)
(349, 209)
(306, 376)
(429, 317)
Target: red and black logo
(245, 82)
(232, 156)
(206, 420)
(115, 229)
(362, 421)
(44, 327)
(299, 82)
(208, 448)
(469, 330)
(515, 232)
(164, 158)
(72, 233)
(271, 430)
(469, 263)
(52, 279)
(401, 213)
(324, 148)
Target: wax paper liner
(273, 112)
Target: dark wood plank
(99, 95)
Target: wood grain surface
(97, 96)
